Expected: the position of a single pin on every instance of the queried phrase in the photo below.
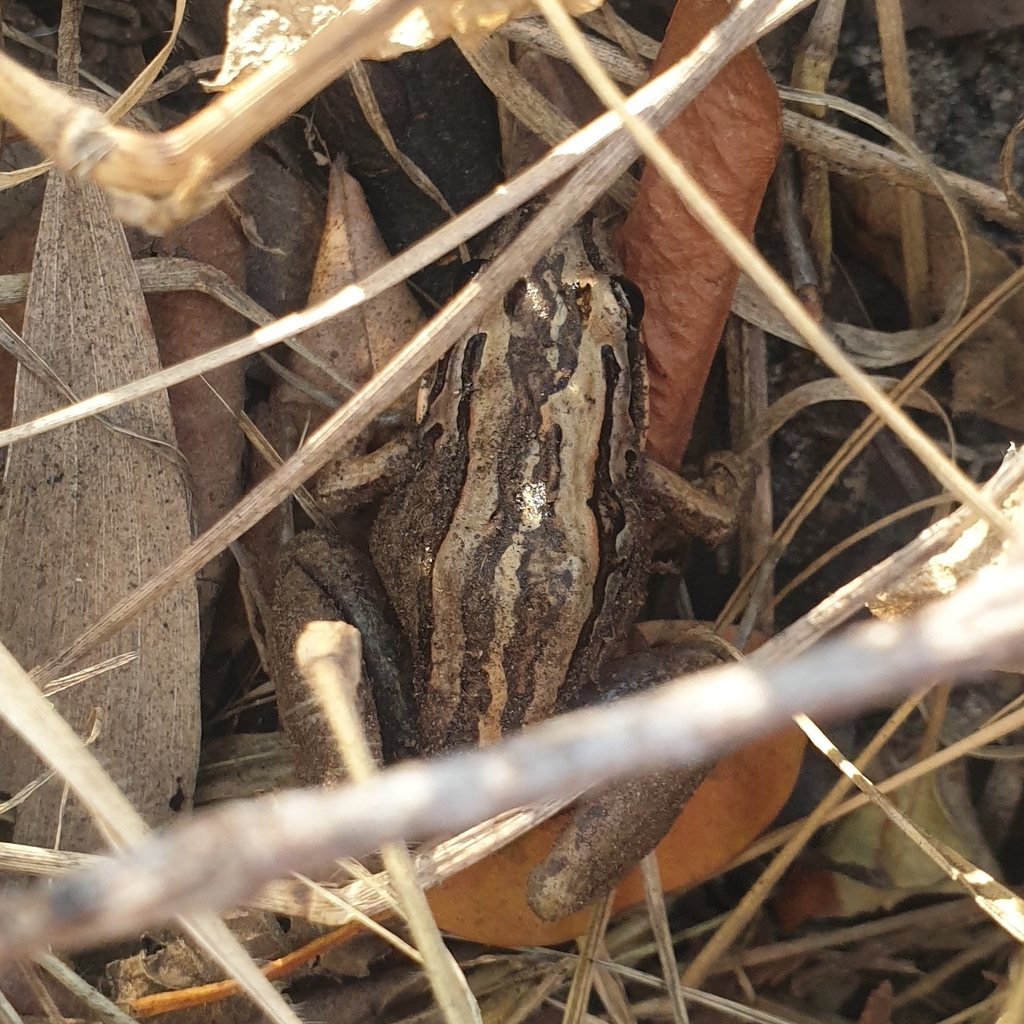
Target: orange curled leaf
(729, 139)
(487, 902)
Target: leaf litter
(855, 973)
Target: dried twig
(217, 859)
(848, 152)
(329, 657)
(892, 36)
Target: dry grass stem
(968, 746)
(896, 70)
(589, 951)
(819, 563)
(36, 87)
(621, 66)
(977, 952)
(663, 937)
(159, 181)
(746, 360)
(870, 348)
(832, 389)
(812, 67)
(329, 657)
(375, 119)
(999, 902)
(97, 1003)
(847, 152)
(1013, 997)
(8, 1014)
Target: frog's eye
(631, 297)
(465, 272)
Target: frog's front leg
(705, 509)
(614, 828)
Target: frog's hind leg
(616, 827)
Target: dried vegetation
(143, 508)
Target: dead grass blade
(892, 36)
(862, 436)
(589, 951)
(854, 155)
(812, 67)
(663, 937)
(1004, 906)
(94, 1000)
(871, 348)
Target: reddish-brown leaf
(187, 324)
(739, 799)
(728, 138)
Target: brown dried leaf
(988, 368)
(729, 139)
(89, 514)
(287, 215)
(356, 345)
(187, 324)
(259, 32)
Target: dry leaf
(287, 215)
(988, 368)
(357, 344)
(88, 514)
(735, 803)
(187, 324)
(259, 32)
(729, 139)
(875, 865)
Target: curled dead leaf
(729, 139)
